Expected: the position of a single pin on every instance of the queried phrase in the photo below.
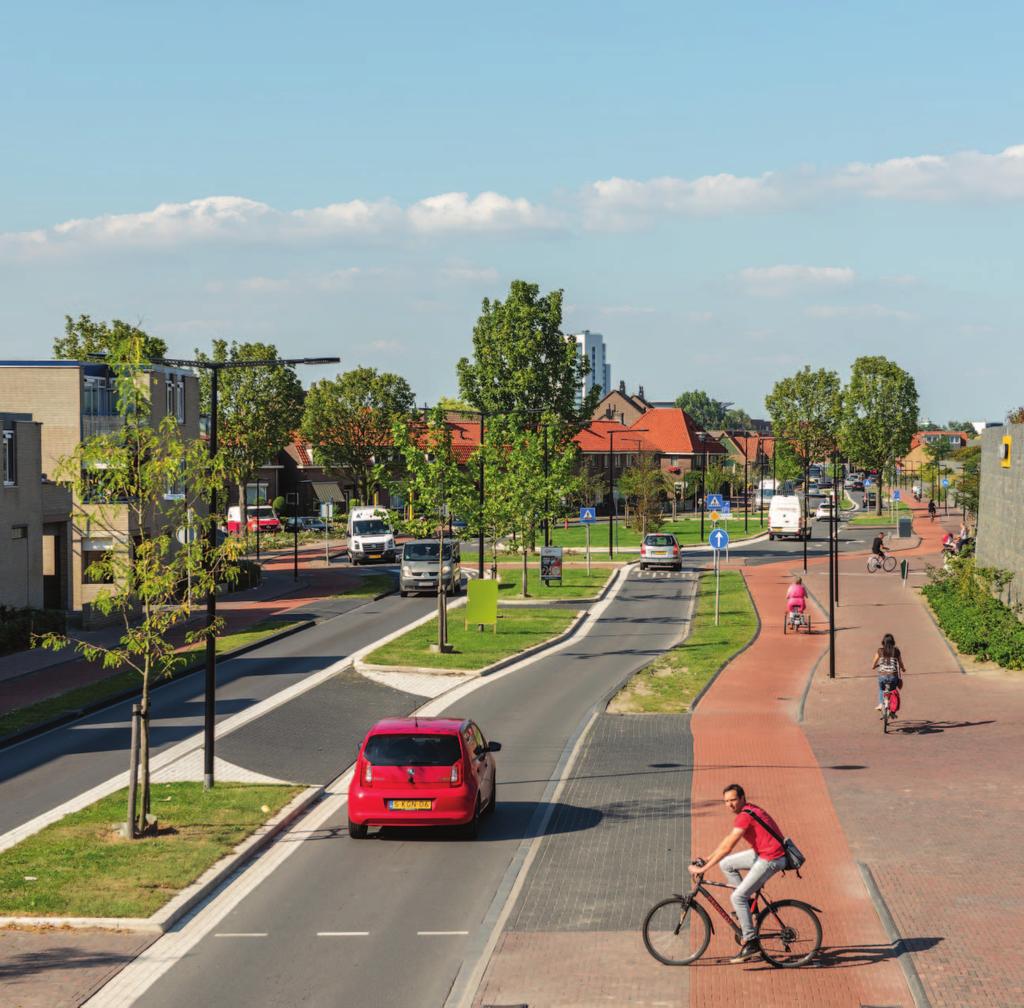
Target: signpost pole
(588, 548)
(718, 578)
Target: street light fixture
(611, 480)
(215, 368)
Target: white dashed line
(240, 934)
(442, 932)
(342, 934)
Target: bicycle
(796, 621)
(889, 706)
(886, 563)
(677, 930)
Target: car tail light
(368, 774)
(456, 776)
(675, 549)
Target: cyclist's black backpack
(794, 856)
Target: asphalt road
(404, 906)
(45, 771)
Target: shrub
(18, 625)
(249, 575)
(972, 617)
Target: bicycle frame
(700, 889)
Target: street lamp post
(746, 488)
(611, 482)
(210, 686)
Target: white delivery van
(370, 536)
(787, 519)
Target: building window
(175, 402)
(19, 531)
(93, 576)
(8, 460)
(97, 397)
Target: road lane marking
(342, 934)
(240, 934)
(442, 932)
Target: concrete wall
(1001, 505)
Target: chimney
(622, 387)
(640, 392)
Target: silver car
(419, 569)
(660, 549)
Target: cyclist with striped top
(889, 665)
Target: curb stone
(74, 715)
(168, 915)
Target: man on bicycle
(761, 862)
(878, 546)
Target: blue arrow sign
(588, 515)
(895, 495)
(713, 502)
(945, 482)
(719, 539)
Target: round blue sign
(719, 539)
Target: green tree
(1015, 415)
(84, 338)
(880, 414)
(149, 479)
(711, 414)
(349, 421)
(259, 408)
(787, 464)
(523, 365)
(969, 482)
(647, 486)
(453, 404)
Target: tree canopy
(522, 363)
(806, 410)
(83, 338)
(710, 414)
(349, 419)
(258, 407)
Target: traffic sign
(945, 483)
(719, 539)
(714, 516)
(588, 515)
(726, 507)
(867, 482)
(713, 502)
(895, 495)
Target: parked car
(423, 771)
(824, 511)
(660, 549)
(420, 566)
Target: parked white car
(824, 511)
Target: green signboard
(482, 603)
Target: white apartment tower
(591, 346)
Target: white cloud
(489, 211)
(967, 175)
(470, 274)
(771, 281)
(263, 285)
(874, 311)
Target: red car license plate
(410, 805)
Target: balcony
(93, 425)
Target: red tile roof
(594, 438)
(670, 431)
(918, 438)
(748, 444)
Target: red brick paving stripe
(745, 732)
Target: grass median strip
(576, 583)
(518, 629)
(80, 867)
(686, 530)
(23, 718)
(669, 684)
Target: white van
(787, 519)
(370, 536)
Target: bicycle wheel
(885, 718)
(889, 563)
(789, 933)
(872, 564)
(676, 932)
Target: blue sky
(727, 192)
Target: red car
(422, 771)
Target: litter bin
(905, 528)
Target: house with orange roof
(918, 455)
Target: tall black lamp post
(215, 368)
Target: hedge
(978, 624)
(18, 625)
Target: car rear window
(659, 540)
(425, 551)
(413, 750)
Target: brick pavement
(927, 812)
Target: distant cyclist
(878, 546)
(889, 665)
(932, 509)
(796, 597)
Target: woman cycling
(889, 665)
(796, 598)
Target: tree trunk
(524, 567)
(144, 804)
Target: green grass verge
(518, 629)
(686, 530)
(23, 718)
(576, 583)
(79, 867)
(885, 518)
(669, 684)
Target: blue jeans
(758, 872)
(886, 682)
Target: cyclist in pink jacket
(796, 597)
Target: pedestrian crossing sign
(588, 515)
(713, 503)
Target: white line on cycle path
(140, 974)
